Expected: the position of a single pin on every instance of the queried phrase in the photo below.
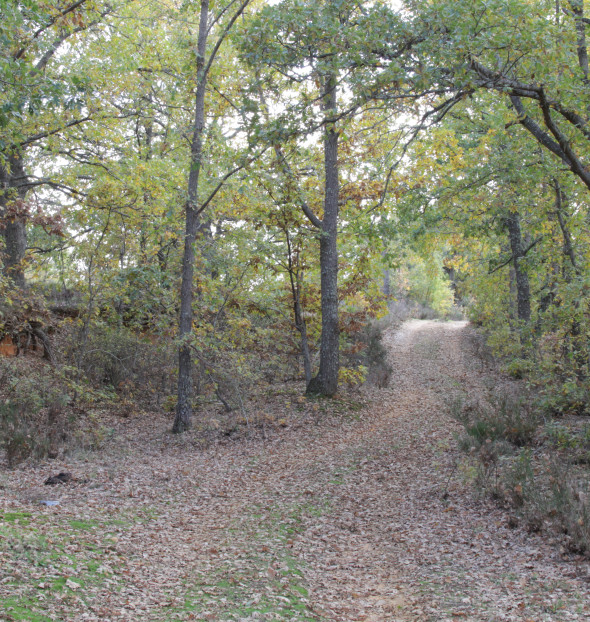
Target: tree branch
(50, 23)
(524, 252)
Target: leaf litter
(343, 515)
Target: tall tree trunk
(523, 293)
(183, 418)
(13, 190)
(326, 381)
(513, 295)
(577, 7)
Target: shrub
(455, 313)
(546, 484)
(572, 397)
(374, 354)
(32, 415)
(518, 368)
(399, 310)
(571, 503)
(503, 417)
(124, 360)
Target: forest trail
(363, 516)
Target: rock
(61, 478)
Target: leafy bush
(572, 397)
(518, 368)
(40, 415)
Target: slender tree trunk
(386, 287)
(301, 326)
(326, 381)
(523, 293)
(13, 190)
(568, 247)
(183, 419)
(579, 341)
(295, 278)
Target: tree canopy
(242, 176)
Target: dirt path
(357, 517)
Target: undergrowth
(533, 464)
(38, 414)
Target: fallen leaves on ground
(355, 513)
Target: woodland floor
(358, 515)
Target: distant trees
(508, 179)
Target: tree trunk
(326, 381)
(13, 190)
(302, 328)
(295, 279)
(568, 247)
(183, 418)
(523, 294)
(579, 341)
(386, 287)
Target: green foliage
(482, 166)
(428, 205)
(518, 368)
(428, 285)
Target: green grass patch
(84, 525)
(16, 608)
(59, 558)
(263, 577)
(13, 517)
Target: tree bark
(568, 247)
(579, 342)
(183, 418)
(193, 225)
(13, 190)
(295, 278)
(523, 294)
(577, 7)
(326, 381)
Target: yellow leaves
(458, 262)
(352, 376)
(243, 323)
